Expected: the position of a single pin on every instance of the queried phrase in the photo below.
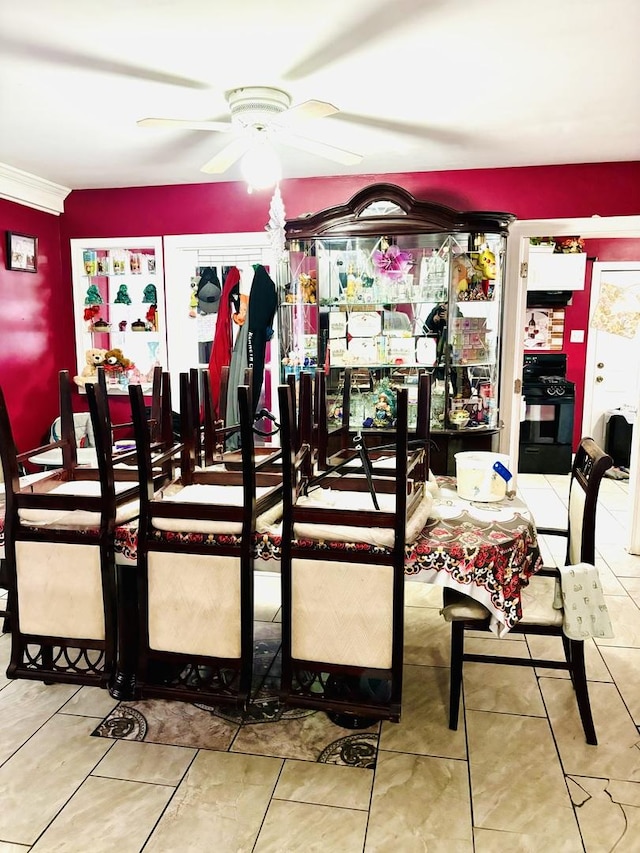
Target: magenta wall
(36, 321)
(36, 326)
(539, 192)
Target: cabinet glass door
(389, 308)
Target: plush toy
(94, 359)
(308, 287)
(115, 360)
(462, 274)
(486, 264)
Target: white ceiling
(421, 84)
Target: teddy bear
(115, 360)
(94, 359)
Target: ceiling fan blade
(447, 136)
(229, 155)
(322, 149)
(378, 22)
(37, 51)
(220, 126)
(310, 109)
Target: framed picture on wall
(22, 252)
(544, 329)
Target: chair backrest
(589, 466)
(323, 629)
(340, 437)
(60, 553)
(210, 442)
(12, 461)
(199, 541)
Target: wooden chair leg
(457, 651)
(582, 692)
(6, 625)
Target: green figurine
(122, 295)
(150, 294)
(93, 296)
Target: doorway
(613, 362)
(515, 313)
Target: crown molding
(32, 191)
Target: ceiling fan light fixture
(260, 166)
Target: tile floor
(516, 776)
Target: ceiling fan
(260, 114)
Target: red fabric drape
(223, 338)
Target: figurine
(93, 296)
(383, 412)
(150, 294)
(122, 296)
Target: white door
(612, 376)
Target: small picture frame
(22, 252)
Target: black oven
(546, 433)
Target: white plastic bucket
(476, 478)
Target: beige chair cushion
(537, 606)
(537, 603)
(342, 613)
(380, 536)
(214, 496)
(79, 518)
(60, 590)
(194, 604)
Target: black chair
(539, 615)
(336, 446)
(343, 607)
(195, 567)
(59, 545)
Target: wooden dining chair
(195, 567)
(59, 554)
(216, 440)
(381, 454)
(539, 615)
(343, 578)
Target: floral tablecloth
(486, 550)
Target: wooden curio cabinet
(390, 286)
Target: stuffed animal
(486, 264)
(462, 274)
(94, 358)
(308, 287)
(115, 360)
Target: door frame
(515, 304)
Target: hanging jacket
(263, 301)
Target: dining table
(487, 550)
